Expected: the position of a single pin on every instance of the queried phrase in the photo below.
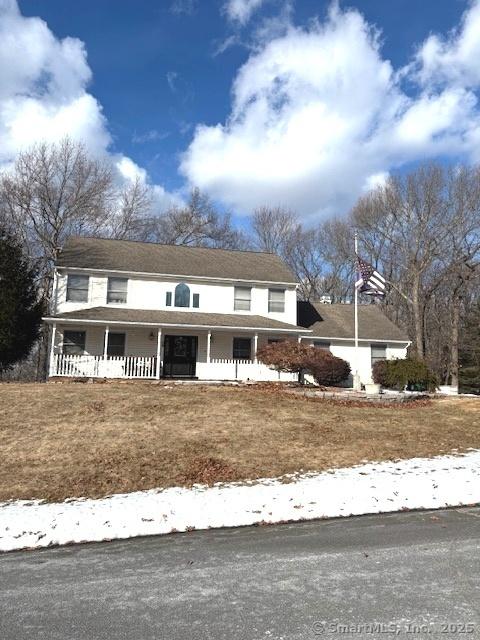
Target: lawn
(64, 440)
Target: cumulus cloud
(240, 11)
(454, 59)
(319, 115)
(43, 92)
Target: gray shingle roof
(146, 316)
(147, 257)
(337, 321)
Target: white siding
(346, 350)
(139, 343)
(151, 294)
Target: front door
(180, 356)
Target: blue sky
(155, 71)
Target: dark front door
(180, 356)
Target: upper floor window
(322, 345)
(196, 300)
(276, 300)
(242, 301)
(77, 288)
(117, 290)
(168, 299)
(378, 352)
(182, 295)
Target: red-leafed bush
(327, 369)
(293, 357)
(287, 356)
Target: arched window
(182, 295)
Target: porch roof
(190, 319)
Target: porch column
(51, 364)
(105, 342)
(209, 340)
(255, 347)
(299, 339)
(159, 352)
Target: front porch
(149, 353)
(142, 368)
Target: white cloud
(172, 77)
(318, 115)
(151, 135)
(240, 11)
(183, 7)
(43, 91)
(454, 59)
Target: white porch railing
(229, 369)
(100, 367)
(131, 367)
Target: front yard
(64, 440)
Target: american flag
(370, 281)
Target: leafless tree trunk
(454, 362)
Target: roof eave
(352, 339)
(60, 319)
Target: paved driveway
(409, 575)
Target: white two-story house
(125, 309)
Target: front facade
(138, 310)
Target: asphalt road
(417, 574)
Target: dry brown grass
(63, 440)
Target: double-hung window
(276, 300)
(73, 343)
(77, 288)
(117, 290)
(243, 297)
(378, 352)
(116, 344)
(242, 348)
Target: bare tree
(198, 223)
(274, 228)
(55, 191)
(320, 257)
(423, 232)
(407, 214)
(131, 212)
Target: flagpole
(356, 377)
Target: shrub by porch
(291, 357)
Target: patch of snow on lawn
(369, 488)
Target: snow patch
(419, 483)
